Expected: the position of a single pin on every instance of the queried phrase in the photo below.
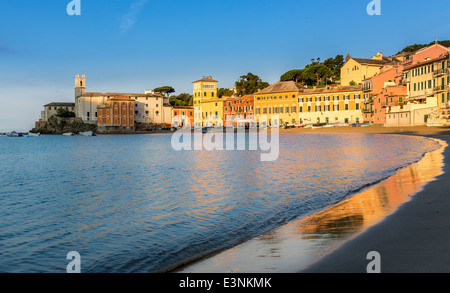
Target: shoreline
(318, 220)
(410, 240)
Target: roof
(96, 94)
(205, 79)
(243, 98)
(443, 57)
(373, 61)
(281, 86)
(121, 98)
(183, 107)
(350, 88)
(61, 104)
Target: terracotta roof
(121, 98)
(281, 86)
(206, 79)
(443, 57)
(350, 88)
(373, 61)
(96, 94)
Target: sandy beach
(415, 238)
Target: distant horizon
(132, 47)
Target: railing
(367, 89)
(439, 72)
(439, 88)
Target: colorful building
(390, 96)
(149, 108)
(374, 86)
(238, 108)
(340, 104)
(182, 115)
(355, 70)
(208, 107)
(116, 114)
(279, 99)
(427, 78)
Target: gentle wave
(132, 204)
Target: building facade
(279, 103)
(427, 80)
(116, 114)
(374, 86)
(340, 104)
(238, 108)
(149, 108)
(52, 109)
(182, 116)
(355, 70)
(208, 107)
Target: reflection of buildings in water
(302, 242)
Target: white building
(149, 107)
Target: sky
(134, 45)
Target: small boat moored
(87, 133)
(69, 134)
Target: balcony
(441, 88)
(367, 89)
(440, 72)
(367, 111)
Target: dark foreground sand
(414, 239)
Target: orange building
(116, 114)
(180, 113)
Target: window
(286, 109)
(281, 110)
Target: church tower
(80, 85)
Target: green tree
(222, 92)
(63, 112)
(249, 84)
(294, 75)
(183, 99)
(166, 90)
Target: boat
(87, 133)
(68, 134)
(435, 124)
(30, 134)
(14, 134)
(288, 126)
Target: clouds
(129, 19)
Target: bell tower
(80, 85)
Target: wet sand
(340, 237)
(414, 239)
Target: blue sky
(130, 46)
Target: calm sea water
(132, 204)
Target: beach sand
(414, 239)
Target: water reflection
(299, 243)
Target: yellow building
(331, 105)
(358, 69)
(208, 107)
(278, 99)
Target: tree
(183, 99)
(222, 92)
(166, 90)
(249, 84)
(63, 112)
(294, 75)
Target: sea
(134, 204)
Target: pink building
(390, 95)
